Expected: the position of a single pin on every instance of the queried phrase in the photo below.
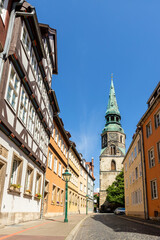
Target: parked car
(119, 211)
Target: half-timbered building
(27, 105)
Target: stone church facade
(112, 148)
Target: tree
(115, 192)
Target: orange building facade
(150, 124)
(54, 193)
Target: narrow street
(110, 226)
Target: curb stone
(134, 220)
(74, 231)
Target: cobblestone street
(110, 226)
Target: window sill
(27, 195)
(37, 199)
(14, 191)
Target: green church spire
(112, 115)
(112, 107)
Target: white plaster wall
(12, 203)
(24, 58)
(10, 115)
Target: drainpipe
(4, 54)
(144, 173)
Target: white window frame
(154, 190)
(50, 155)
(149, 129)
(55, 165)
(157, 119)
(23, 106)
(26, 40)
(14, 86)
(37, 129)
(31, 118)
(151, 157)
(59, 169)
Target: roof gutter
(4, 54)
(33, 14)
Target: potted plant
(28, 191)
(53, 202)
(38, 195)
(57, 202)
(15, 186)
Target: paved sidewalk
(46, 229)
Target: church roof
(112, 115)
(112, 107)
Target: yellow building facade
(133, 178)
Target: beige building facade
(133, 178)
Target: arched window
(113, 150)
(121, 139)
(113, 165)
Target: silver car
(119, 211)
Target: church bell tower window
(113, 150)
(113, 165)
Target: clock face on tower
(113, 136)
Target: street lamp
(66, 176)
(86, 204)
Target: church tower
(112, 148)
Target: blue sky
(97, 38)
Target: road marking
(133, 220)
(13, 234)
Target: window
(133, 177)
(58, 196)
(23, 109)
(59, 170)
(135, 152)
(62, 145)
(126, 183)
(31, 118)
(154, 189)
(85, 189)
(63, 170)
(80, 186)
(157, 119)
(50, 160)
(13, 88)
(53, 194)
(104, 141)
(129, 160)
(121, 139)
(113, 150)
(62, 196)
(29, 180)
(140, 170)
(112, 118)
(130, 179)
(148, 129)
(37, 130)
(81, 172)
(136, 172)
(125, 167)
(16, 171)
(34, 63)
(39, 79)
(139, 146)
(151, 158)
(132, 157)
(42, 145)
(158, 150)
(3, 9)
(38, 185)
(26, 40)
(113, 165)
(55, 165)
(59, 140)
(56, 135)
